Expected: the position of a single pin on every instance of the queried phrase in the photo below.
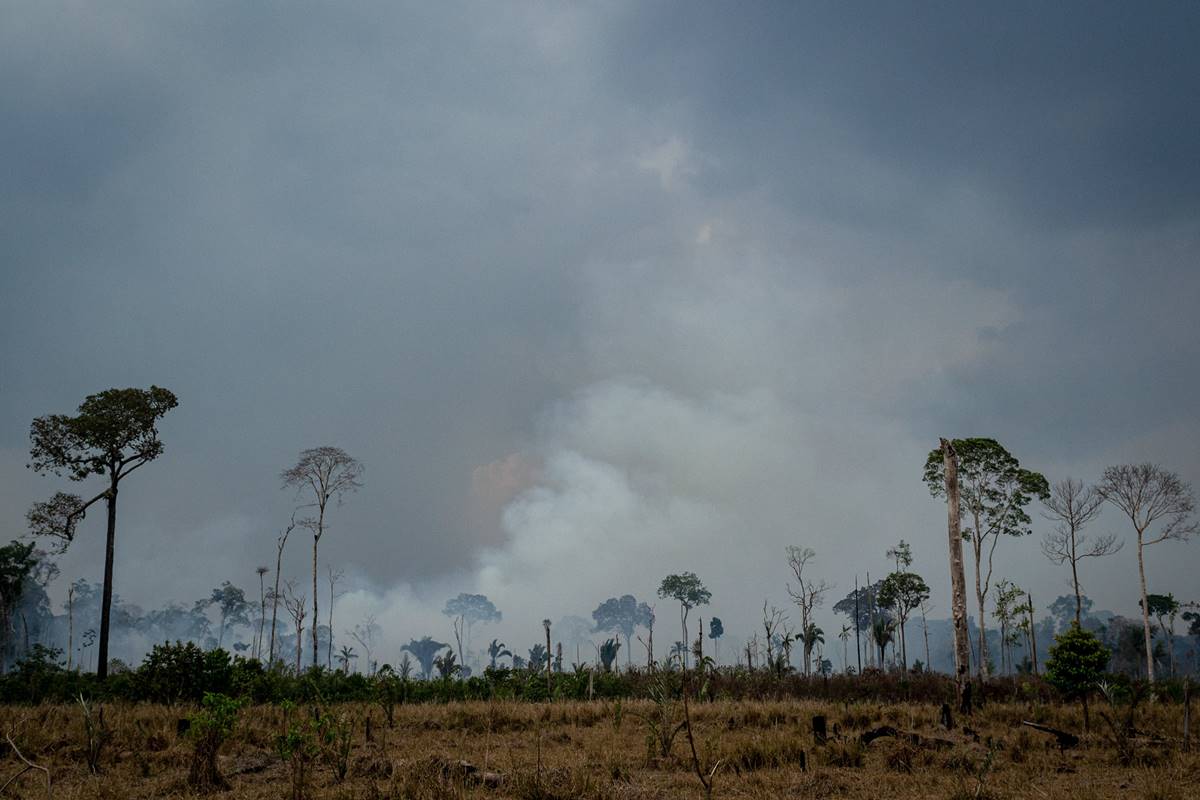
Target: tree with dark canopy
(994, 490)
(622, 615)
(690, 591)
(902, 592)
(472, 609)
(425, 650)
(231, 604)
(114, 433)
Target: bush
(1077, 662)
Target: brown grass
(600, 750)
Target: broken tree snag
(818, 729)
(1065, 740)
(958, 581)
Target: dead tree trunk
(958, 581)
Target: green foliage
(209, 729)
(182, 671)
(473, 608)
(686, 588)
(1077, 662)
(992, 486)
(608, 653)
(902, 592)
(622, 615)
(425, 650)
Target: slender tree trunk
(903, 648)
(871, 619)
(958, 581)
(982, 667)
(1032, 635)
(857, 636)
(1145, 612)
(925, 629)
(109, 554)
(70, 626)
(316, 612)
(329, 641)
(683, 614)
(262, 614)
(275, 603)
(1075, 583)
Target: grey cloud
(717, 274)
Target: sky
(598, 292)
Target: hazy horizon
(598, 293)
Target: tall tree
(323, 474)
(262, 609)
(808, 594)
(690, 591)
(716, 630)
(367, 634)
(1071, 507)
(334, 576)
(425, 651)
(1150, 495)
(472, 609)
(295, 605)
(993, 492)
(958, 582)
(901, 593)
(231, 604)
(275, 597)
(114, 433)
(622, 615)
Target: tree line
(115, 433)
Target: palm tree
(884, 633)
(811, 636)
(497, 649)
(344, 656)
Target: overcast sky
(598, 292)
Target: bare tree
(772, 619)
(262, 609)
(280, 543)
(334, 577)
(328, 473)
(295, 605)
(1072, 506)
(926, 607)
(808, 594)
(1149, 495)
(366, 634)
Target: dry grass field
(609, 750)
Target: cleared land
(611, 750)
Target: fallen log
(1065, 739)
(910, 736)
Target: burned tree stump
(947, 717)
(818, 730)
